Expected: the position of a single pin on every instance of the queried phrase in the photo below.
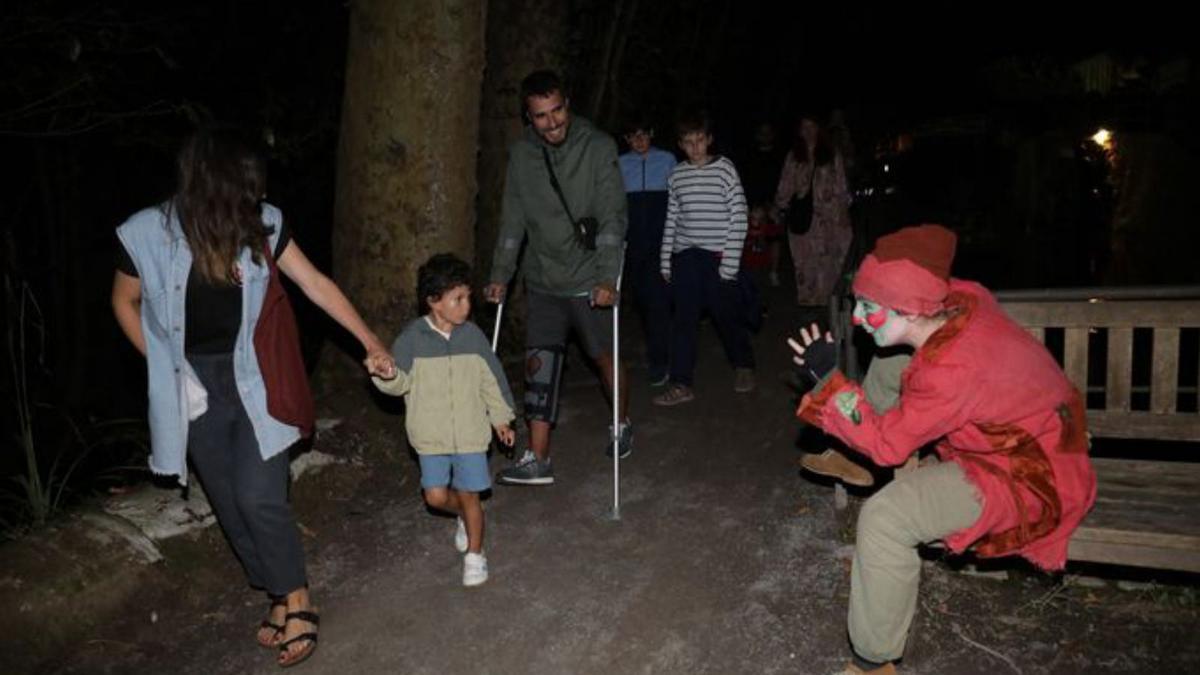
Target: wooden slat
(1075, 356)
(1141, 424)
(1120, 369)
(1154, 477)
(1120, 313)
(1145, 515)
(1146, 496)
(1038, 333)
(1164, 377)
(1169, 552)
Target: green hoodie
(555, 261)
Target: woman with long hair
(814, 167)
(192, 275)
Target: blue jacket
(645, 179)
(163, 259)
(647, 173)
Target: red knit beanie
(909, 270)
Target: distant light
(885, 168)
(1103, 138)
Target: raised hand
(815, 357)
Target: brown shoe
(834, 464)
(674, 395)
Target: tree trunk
(600, 79)
(614, 109)
(407, 152)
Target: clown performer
(1014, 477)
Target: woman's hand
(380, 363)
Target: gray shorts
(551, 318)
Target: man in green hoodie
(563, 195)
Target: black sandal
(311, 637)
(276, 601)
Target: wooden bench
(1123, 348)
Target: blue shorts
(470, 471)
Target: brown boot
(834, 464)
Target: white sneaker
(474, 569)
(460, 536)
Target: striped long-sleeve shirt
(705, 209)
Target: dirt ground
(725, 560)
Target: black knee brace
(543, 376)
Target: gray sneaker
(625, 444)
(527, 471)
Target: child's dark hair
(694, 122)
(637, 121)
(439, 274)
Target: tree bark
(601, 76)
(407, 151)
(614, 108)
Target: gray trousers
(917, 507)
(248, 495)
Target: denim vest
(160, 252)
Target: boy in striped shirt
(700, 259)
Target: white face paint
(881, 323)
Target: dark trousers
(696, 287)
(652, 301)
(248, 495)
(643, 275)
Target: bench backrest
(1110, 324)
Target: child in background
(455, 393)
(756, 255)
(759, 256)
(700, 258)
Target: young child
(700, 257)
(455, 393)
(757, 255)
(759, 260)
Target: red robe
(998, 405)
